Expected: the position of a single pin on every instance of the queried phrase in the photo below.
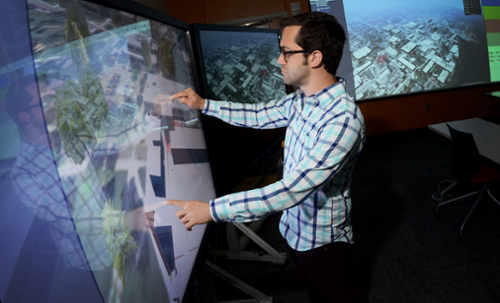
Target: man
(35, 180)
(325, 133)
(69, 205)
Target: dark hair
(319, 31)
(18, 98)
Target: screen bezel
(213, 125)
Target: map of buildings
(395, 51)
(242, 66)
(402, 47)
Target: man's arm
(329, 160)
(335, 145)
(273, 114)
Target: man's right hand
(190, 98)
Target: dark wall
(409, 112)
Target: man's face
(33, 114)
(294, 67)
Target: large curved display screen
(91, 147)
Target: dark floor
(402, 252)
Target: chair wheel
(436, 196)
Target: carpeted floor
(402, 252)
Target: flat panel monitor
(406, 47)
(91, 149)
(238, 64)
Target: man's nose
(281, 59)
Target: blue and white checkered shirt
(68, 195)
(325, 133)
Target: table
(496, 96)
(493, 94)
(486, 134)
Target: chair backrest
(466, 161)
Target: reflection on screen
(94, 152)
(242, 66)
(401, 47)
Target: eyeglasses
(45, 103)
(285, 53)
(32, 106)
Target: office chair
(469, 171)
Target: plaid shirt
(325, 133)
(69, 195)
(36, 182)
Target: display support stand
(211, 296)
(237, 251)
(237, 245)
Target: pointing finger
(178, 95)
(179, 203)
(161, 98)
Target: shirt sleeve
(272, 114)
(333, 146)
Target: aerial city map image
(242, 66)
(402, 47)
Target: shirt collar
(330, 93)
(326, 95)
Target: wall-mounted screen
(242, 65)
(238, 64)
(491, 13)
(90, 150)
(403, 47)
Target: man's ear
(316, 59)
(24, 117)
